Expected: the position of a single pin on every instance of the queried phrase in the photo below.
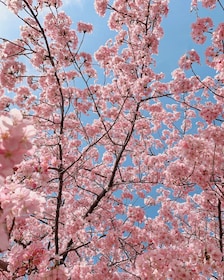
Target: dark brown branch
(3, 265)
(203, 84)
(60, 170)
(115, 168)
(104, 191)
(220, 225)
(69, 249)
(59, 203)
(220, 4)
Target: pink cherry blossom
(186, 61)
(209, 4)
(15, 140)
(84, 27)
(201, 26)
(109, 168)
(100, 6)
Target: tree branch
(3, 265)
(220, 226)
(116, 164)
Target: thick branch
(220, 226)
(57, 216)
(116, 164)
(3, 265)
(70, 248)
(60, 170)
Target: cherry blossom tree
(83, 162)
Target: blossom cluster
(210, 112)
(15, 141)
(16, 5)
(15, 135)
(84, 27)
(108, 192)
(101, 6)
(201, 26)
(187, 59)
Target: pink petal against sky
(122, 177)
(174, 44)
